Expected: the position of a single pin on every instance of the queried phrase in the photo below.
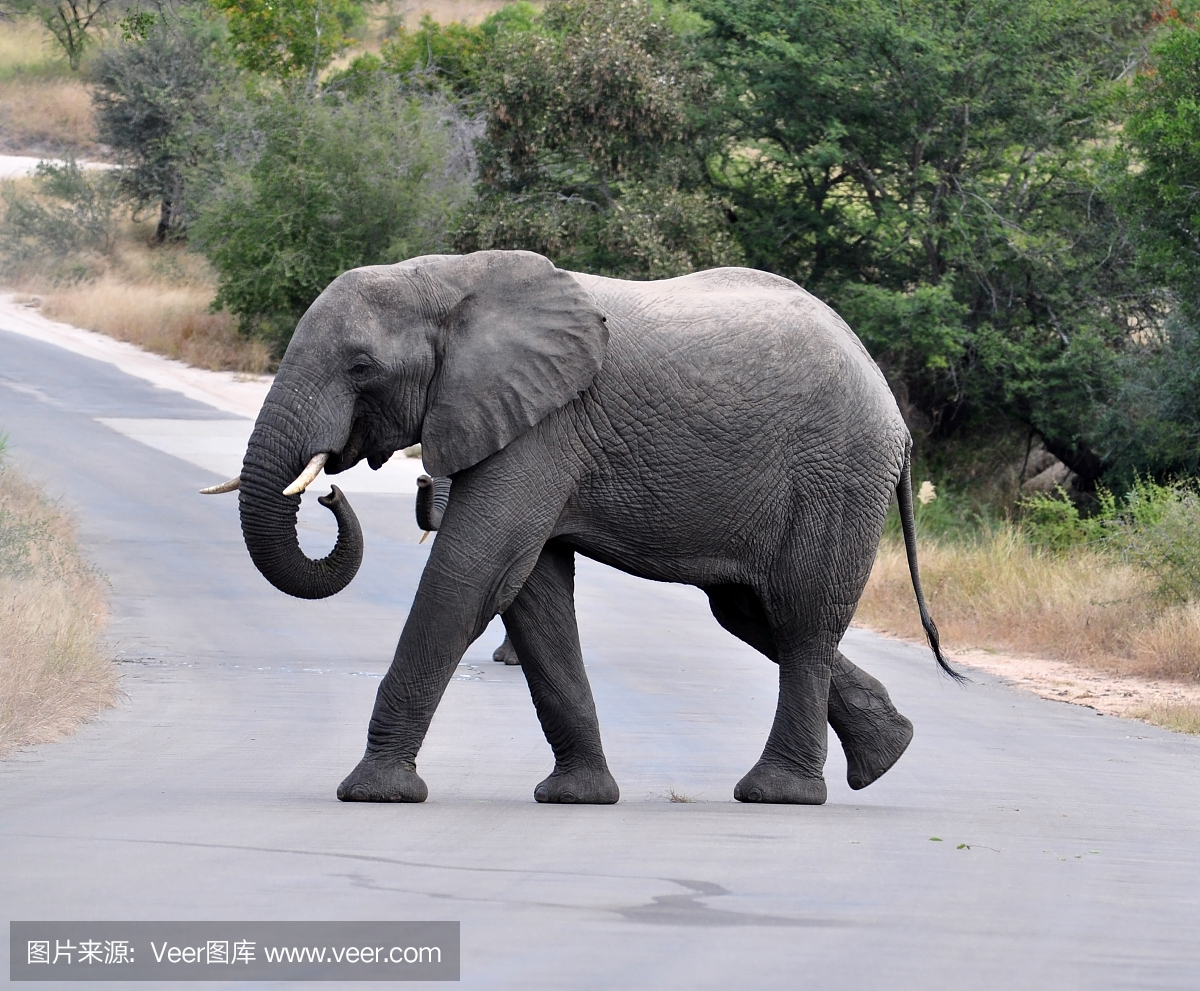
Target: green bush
(594, 153)
(151, 95)
(310, 188)
(291, 42)
(1054, 523)
(71, 210)
(1167, 545)
(454, 54)
(1153, 526)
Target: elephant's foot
(775, 785)
(580, 786)
(506, 653)
(870, 758)
(376, 780)
(873, 734)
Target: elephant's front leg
(541, 623)
(443, 622)
(486, 548)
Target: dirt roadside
(1113, 695)
(1060, 681)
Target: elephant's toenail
(755, 795)
(359, 793)
(566, 798)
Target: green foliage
(649, 231)
(593, 154)
(453, 54)
(71, 210)
(1150, 423)
(1155, 527)
(1168, 547)
(137, 25)
(434, 56)
(290, 40)
(931, 167)
(955, 514)
(1054, 523)
(915, 332)
(1162, 156)
(152, 101)
(310, 188)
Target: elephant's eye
(361, 368)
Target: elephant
(432, 496)
(578, 414)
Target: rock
(1050, 478)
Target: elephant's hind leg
(541, 624)
(790, 768)
(873, 733)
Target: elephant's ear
(523, 339)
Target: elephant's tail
(905, 499)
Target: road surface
(1068, 844)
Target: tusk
(423, 536)
(305, 478)
(232, 485)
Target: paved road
(209, 792)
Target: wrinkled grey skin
(432, 496)
(578, 414)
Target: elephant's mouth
(359, 445)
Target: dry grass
(1180, 718)
(53, 673)
(27, 49)
(169, 320)
(45, 109)
(448, 11)
(154, 296)
(47, 117)
(998, 593)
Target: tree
(309, 188)
(440, 56)
(151, 96)
(592, 153)
(1160, 156)
(70, 22)
(72, 213)
(290, 40)
(455, 54)
(930, 167)
(1151, 423)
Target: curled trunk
(269, 529)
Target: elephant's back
(737, 338)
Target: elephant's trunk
(269, 529)
(433, 495)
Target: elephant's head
(459, 353)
